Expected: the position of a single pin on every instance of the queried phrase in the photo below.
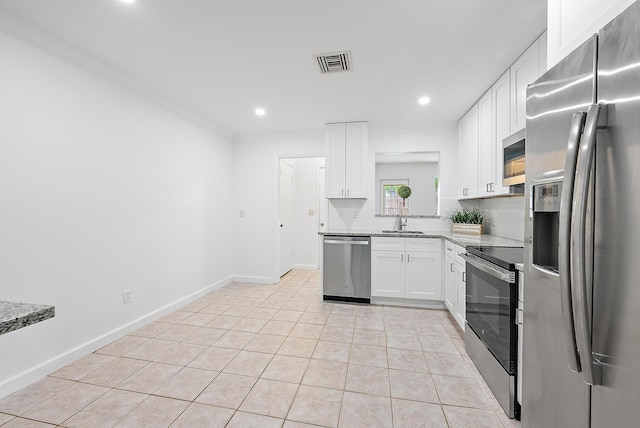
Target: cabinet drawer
(428, 245)
(387, 244)
(450, 248)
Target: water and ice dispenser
(545, 203)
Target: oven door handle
(490, 268)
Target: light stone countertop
(459, 239)
(17, 315)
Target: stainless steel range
(492, 337)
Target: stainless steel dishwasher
(346, 268)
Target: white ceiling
(223, 59)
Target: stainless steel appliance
(513, 158)
(346, 268)
(582, 318)
(491, 303)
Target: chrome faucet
(399, 222)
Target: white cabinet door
(468, 155)
(387, 273)
(462, 170)
(450, 291)
(487, 145)
(356, 159)
(461, 295)
(572, 22)
(501, 95)
(523, 72)
(423, 276)
(335, 139)
(346, 155)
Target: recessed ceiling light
(127, 1)
(423, 101)
(260, 112)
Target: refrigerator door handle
(564, 239)
(591, 370)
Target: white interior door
(286, 217)
(322, 202)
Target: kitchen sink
(416, 232)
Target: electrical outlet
(126, 296)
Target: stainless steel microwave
(513, 159)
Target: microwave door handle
(564, 239)
(590, 370)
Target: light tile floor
(250, 355)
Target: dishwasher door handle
(333, 241)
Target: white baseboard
(254, 279)
(411, 303)
(306, 267)
(35, 373)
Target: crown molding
(36, 37)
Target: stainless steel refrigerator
(581, 356)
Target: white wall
(572, 22)
(306, 211)
(101, 191)
(359, 215)
(255, 181)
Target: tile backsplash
(505, 216)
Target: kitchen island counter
(17, 315)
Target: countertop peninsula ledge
(17, 315)
(459, 239)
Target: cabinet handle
(493, 187)
(408, 258)
(401, 257)
(488, 187)
(464, 277)
(451, 268)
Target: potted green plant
(404, 192)
(467, 220)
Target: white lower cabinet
(387, 273)
(455, 287)
(407, 268)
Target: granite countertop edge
(14, 316)
(458, 239)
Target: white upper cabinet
(523, 72)
(487, 145)
(468, 154)
(572, 22)
(346, 152)
(501, 97)
(499, 113)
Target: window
(391, 201)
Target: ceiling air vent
(332, 62)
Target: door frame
(276, 231)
